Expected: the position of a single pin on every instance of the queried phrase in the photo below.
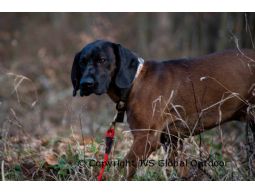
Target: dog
(168, 100)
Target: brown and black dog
(168, 99)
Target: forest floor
(73, 158)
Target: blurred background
(37, 51)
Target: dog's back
(213, 89)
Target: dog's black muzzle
(87, 86)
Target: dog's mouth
(87, 90)
(85, 93)
(95, 88)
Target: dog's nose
(87, 82)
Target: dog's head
(101, 63)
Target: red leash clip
(109, 136)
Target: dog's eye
(101, 60)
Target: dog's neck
(115, 93)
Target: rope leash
(109, 136)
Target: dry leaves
(50, 158)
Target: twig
(240, 51)
(248, 29)
(84, 147)
(2, 170)
(17, 82)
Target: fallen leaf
(87, 140)
(50, 158)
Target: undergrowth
(70, 158)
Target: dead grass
(67, 158)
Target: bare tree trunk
(142, 27)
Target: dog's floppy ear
(127, 64)
(76, 73)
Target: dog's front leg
(141, 149)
